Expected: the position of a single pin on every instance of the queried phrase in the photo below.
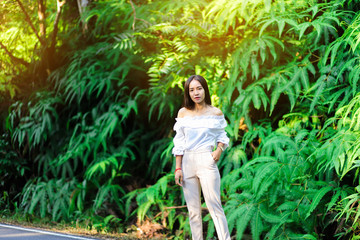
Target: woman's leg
(191, 188)
(210, 183)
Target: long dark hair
(188, 102)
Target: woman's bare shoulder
(216, 111)
(182, 112)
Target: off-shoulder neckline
(202, 116)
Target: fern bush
(90, 127)
(279, 193)
(161, 201)
(79, 136)
(13, 171)
(50, 196)
(275, 73)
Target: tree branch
(60, 4)
(134, 12)
(135, 18)
(27, 18)
(82, 4)
(42, 16)
(13, 58)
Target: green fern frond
(289, 206)
(317, 198)
(244, 212)
(257, 226)
(269, 217)
(334, 199)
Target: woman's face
(196, 92)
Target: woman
(198, 127)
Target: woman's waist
(199, 149)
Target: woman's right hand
(179, 177)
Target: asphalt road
(12, 232)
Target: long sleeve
(221, 134)
(179, 140)
(223, 138)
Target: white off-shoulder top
(199, 133)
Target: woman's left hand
(216, 154)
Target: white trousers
(200, 172)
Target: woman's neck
(200, 107)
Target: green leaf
(302, 28)
(248, 213)
(317, 198)
(269, 217)
(257, 226)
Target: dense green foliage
(89, 95)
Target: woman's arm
(178, 170)
(222, 140)
(179, 141)
(217, 153)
